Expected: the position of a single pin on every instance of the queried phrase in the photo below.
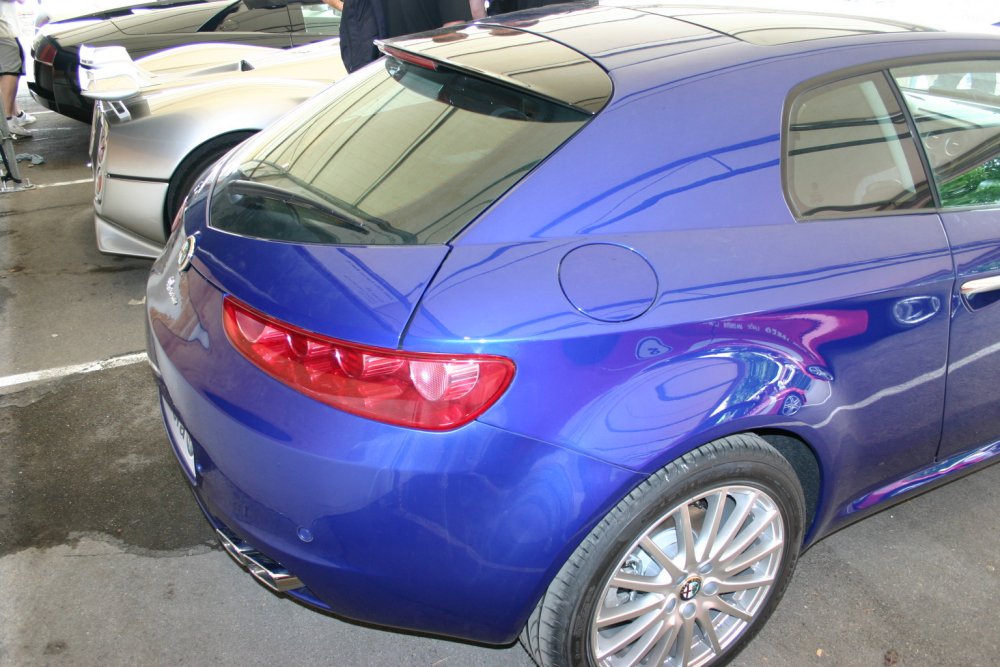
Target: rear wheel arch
(565, 627)
(800, 454)
(192, 166)
(806, 463)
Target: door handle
(980, 286)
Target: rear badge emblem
(187, 252)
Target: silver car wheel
(690, 585)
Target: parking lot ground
(106, 560)
(62, 302)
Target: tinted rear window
(406, 155)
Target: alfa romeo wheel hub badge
(691, 588)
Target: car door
(956, 108)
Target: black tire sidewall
(670, 486)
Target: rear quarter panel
(758, 322)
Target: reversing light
(433, 392)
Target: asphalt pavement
(106, 560)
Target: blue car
(578, 325)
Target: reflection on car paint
(928, 476)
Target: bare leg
(8, 91)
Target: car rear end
(44, 52)
(55, 83)
(56, 48)
(337, 463)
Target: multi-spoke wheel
(692, 582)
(683, 571)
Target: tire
(633, 591)
(192, 167)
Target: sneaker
(17, 129)
(25, 118)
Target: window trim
(939, 206)
(884, 68)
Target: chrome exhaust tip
(269, 572)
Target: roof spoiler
(109, 73)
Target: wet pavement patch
(55, 647)
(88, 454)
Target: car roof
(619, 34)
(633, 41)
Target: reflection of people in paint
(444, 38)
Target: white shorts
(11, 57)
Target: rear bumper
(42, 97)
(62, 99)
(464, 551)
(454, 533)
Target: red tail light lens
(426, 391)
(407, 57)
(46, 53)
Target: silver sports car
(162, 120)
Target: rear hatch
(336, 219)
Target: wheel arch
(807, 465)
(700, 465)
(796, 449)
(188, 168)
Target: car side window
(314, 18)
(956, 108)
(849, 152)
(244, 18)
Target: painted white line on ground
(77, 369)
(39, 186)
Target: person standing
(361, 23)
(12, 68)
(404, 17)
(364, 21)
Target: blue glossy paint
(497, 507)
(608, 283)
(362, 294)
(654, 292)
(971, 415)
(928, 477)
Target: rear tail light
(427, 391)
(46, 53)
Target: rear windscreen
(406, 155)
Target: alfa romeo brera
(579, 325)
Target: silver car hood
(110, 74)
